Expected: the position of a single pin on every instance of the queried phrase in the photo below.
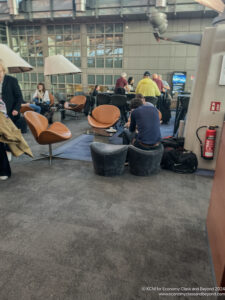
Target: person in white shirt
(40, 98)
(131, 84)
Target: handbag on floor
(173, 142)
(179, 161)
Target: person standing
(148, 88)
(166, 86)
(10, 103)
(122, 83)
(165, 102)
(91, 100)
(158, 81)
(5, 170)
(131, 84)
(10, 93)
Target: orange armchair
(52, 99)
(104, 116)
(77, 103)
(44, 135)
(25, 108)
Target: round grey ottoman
(144, 162)
(108, 160)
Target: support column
(206, 89)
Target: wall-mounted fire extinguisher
(207, 150)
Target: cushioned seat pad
(57, 132)
(97, 124)
(108, 149)
(104, 116)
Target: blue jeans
(127, 136)
(36, 108)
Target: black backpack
(179, 161)
(163, 105)
(173, 143)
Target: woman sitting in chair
(95, 91)
(41, 100)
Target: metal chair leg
(50, 154)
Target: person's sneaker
(126, 163)
(9, 155)
(4, 177)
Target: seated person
(41, 99)
(96, 90)
(140, 96)
(120, 91)
(145, 119)
(68, 105)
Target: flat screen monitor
(178, 81)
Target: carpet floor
(68, 234)
(78, 148)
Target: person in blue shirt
(144, 126)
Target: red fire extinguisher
(207, 150)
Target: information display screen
(178, 81)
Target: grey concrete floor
(68, 234)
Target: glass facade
(28, 83)
(26, 40)
(65, 40)
(104, 49)
(68, 84)
(105, 45)
(3, 35)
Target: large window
(68, 84)
(65, 40)
(26, 40)
(3, 35)
(28, 83)
(105, 45)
